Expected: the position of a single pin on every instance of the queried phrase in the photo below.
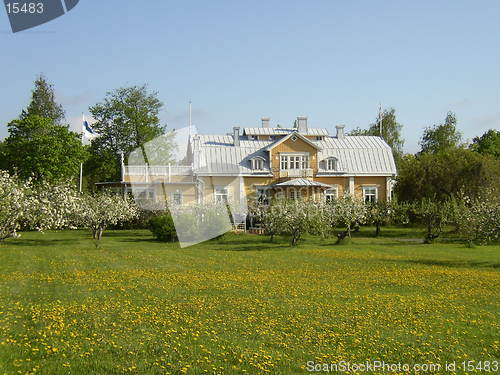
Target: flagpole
(380, 118)
(190, 120)
(81, 164)
(81, 176)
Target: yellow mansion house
(265, 162)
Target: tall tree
(43, 102)
(358, 131)
(488, 143)
(439, 176)
(37, 147)
(126, 119)
(4, 165)
(441, 137)
(391, 131)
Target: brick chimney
(340, 131)
(265, 122)
(236, 135)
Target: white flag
(87, 132)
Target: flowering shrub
(378, 213)
(345, 212)
(269, 217)
(478, 219)
(35, 206)
(51, 206)
(321, 218)
(98, 211)
(12, 205)
(295, 218)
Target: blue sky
(237, 61)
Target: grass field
(241, 305)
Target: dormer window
(331, 164)
(257, 163)
(319, 138)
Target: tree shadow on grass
(256, 247)
(446, 263)
(126, 233)
(39, 242)
(146, 239)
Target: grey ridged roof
(355, 155)
(283, 131)
(358, 154)
(302, 182)
(218, 155)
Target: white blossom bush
(345, 212)
(479, 219)
(269, 217)
(98, 211)
(12, 205)
(295, 218)
(321, 219)
(51, 206)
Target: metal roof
(283, 131)
(364, 155)
(283, 139)
(302, 182)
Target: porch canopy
(300, 188)
(302, 182)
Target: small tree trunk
(99, 234)
(94, 234)
(377, 230)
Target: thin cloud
(487, 122)
(75, 123)
(84, 97)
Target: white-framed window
(257, 164)
(176, 197)
(319, 138)
(221, 194)
(370, 194)
(294, 161)
(146, 194)
(263, 195)
(284, 162)
(252, 137)
(305, 162)
(331, 194)
(331, 164)
(294, 193)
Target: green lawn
(241, 305)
